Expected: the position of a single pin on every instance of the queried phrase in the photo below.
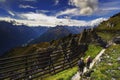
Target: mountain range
(105, 31)
(14, 35)
(57, 32)
(20, 35)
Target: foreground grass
(64, 75)
(109, 67)
(93, 50)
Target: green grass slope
(112, 24)
(93, 50)
(110, 28)
(30, 49)
(109, 67)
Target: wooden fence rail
(28, 67)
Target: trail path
(77, 75)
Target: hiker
(88, 61)
(81, 65)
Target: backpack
(89, 60)
(80, 63)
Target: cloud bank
(86, 7)
(26, 6)
(11, 13)
(38, 19)
(42, 17)
(82, 7)
(56, 2)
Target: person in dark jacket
(81, 65)
(88, 61)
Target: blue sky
(55, 12)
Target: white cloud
(35, 16)
(97, 21)
(86, 7)
(38, 19)
(11, 13)
(103, 11)
(26, 6)
(106, 8)
(83, 7)
(68, 12)
(42, 11)
(56, 2)
(110, 8)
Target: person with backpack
(81, 65)
(88, 61)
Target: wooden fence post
(26, 68)
(51, 64)
(67, 58)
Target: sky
(58, 12)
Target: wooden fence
(38, 65)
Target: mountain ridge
(13, 36)
(102, 30)
(57, 32)
(21, 35)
